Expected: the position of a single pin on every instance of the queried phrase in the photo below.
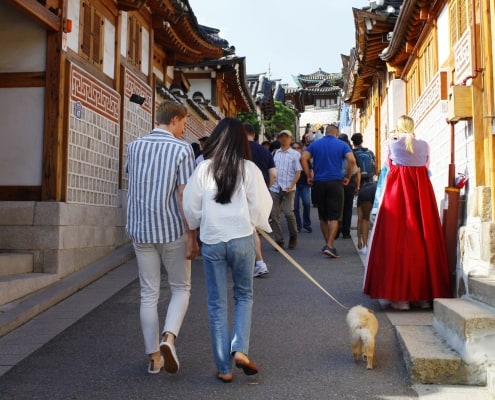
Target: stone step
(468, 326)
(482, 289)
(15, 263)
(428, 358)
(16, 286)
(490, 381)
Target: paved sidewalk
(292, 320)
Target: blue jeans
(238, 255)
(302, 195)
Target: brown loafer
(248, 367)
(225, 378)
(292, 242)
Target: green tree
(284, 118)
(252, 118)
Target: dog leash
(298, 266)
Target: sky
(284, 38)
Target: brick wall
(93, 148)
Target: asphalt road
(299, 341)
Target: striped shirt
(157, 165)
(287, 164)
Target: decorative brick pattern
(195, 128)
(137, 120)
(93, 148)
(134, 86)
(93, 94)
(93, 159)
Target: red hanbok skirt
(407, 258)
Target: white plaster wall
(73, 7)
(443, 35)
(313, 116)
(109, 49)
(22, 49)
(437, 133)
(396, 102)
(434, 130)
(123, 34)
(22, 42)
(369, 132)
(201, 85)
(21, 135)
(145, 52)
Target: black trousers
(345, 223)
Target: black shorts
(367, 193)
(329, 198)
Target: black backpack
(366, 161)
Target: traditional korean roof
(412, 19)
(373, 29)
(318, 78)
(233, 69)
(319, 84)
(177, 30)
(166, 93)
(262, 91)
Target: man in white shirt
(283, 190)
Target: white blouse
(250, 205)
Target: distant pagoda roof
(318, 78)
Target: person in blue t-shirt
(328, 181)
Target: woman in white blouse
(227, 198)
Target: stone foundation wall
(62, 237)
(477, 238)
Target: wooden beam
(20, 193)
(40, 13)
(22, 79)
(55, 136)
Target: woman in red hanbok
(407, 262)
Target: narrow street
(299, 341)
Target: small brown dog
(363, 326)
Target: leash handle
(298, 266)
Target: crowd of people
(213, 197)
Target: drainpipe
(476, 70)
(450, 222)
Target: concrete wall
(63, 238)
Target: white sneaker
(400, 305)
(170, 356)
(363, 250)
(260, 269)
(155, 368)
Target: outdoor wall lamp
(136, 98)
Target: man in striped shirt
(159, 166)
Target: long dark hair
(227, 147)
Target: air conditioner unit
(460, 103)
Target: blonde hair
(405, 124)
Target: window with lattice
(134, 43)
(91, 34)
(412, 87)
(459, 15)
(427, 61)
